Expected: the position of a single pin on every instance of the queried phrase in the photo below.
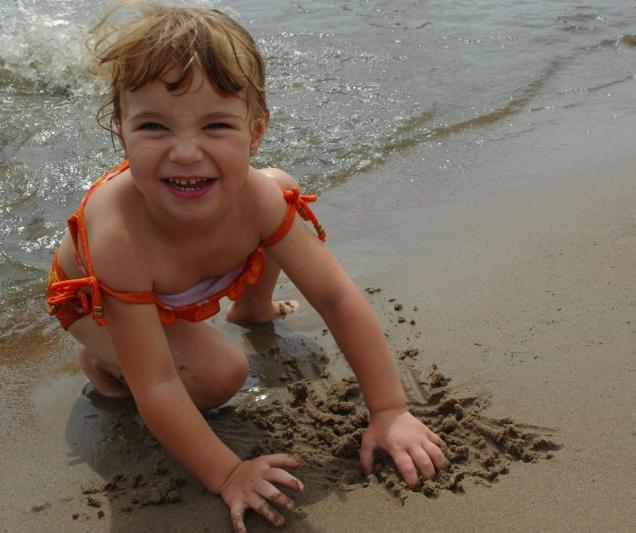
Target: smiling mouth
(189, 184)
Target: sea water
(351, 83)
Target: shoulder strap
(77, 229)
(296, 202)
(75, 222)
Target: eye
(216, 126)
(152, 126)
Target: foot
(241, 313)
(101, 376)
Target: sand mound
(323, 425)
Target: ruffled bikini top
(195, 304)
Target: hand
(251, 486)
(408, 441)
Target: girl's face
(189, 153)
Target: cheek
(142, 168)
(144, 153)
(144, 149)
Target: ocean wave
(629, 40)
(584, 22)
(414, 131)
(43, 54)
(599, 87)
(626, 39)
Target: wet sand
(509, 298)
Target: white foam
(42, 50)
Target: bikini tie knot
(72, 289)
(300, 202)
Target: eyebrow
(145, 114)
(142, 115)
(222, 114)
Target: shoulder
(282, 178)
(116, 247)
(271, 207)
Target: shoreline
(521, 269)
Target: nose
(185, 151)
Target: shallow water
(350, 84)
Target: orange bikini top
(72, 290)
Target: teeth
(188, 184)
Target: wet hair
(156, 39)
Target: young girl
(185, 220)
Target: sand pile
(323, 425)
(321, 421)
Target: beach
(516, 280)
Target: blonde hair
(159, 39)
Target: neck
(183, 228)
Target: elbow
(152, 400)
(340, 303)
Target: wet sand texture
(323, 425)
(321, 420)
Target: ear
(259, 127)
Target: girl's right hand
(251, 486)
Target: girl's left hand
(411, 445)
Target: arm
(351, 320)
(163, 401)
(167, 409)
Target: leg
(211, 368)
(255, 304)
(107, 381)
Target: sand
(509, 298)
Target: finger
(405, 466)
(278, 475)
(422, 461)
(366, 454)
(435, 454)
(435, 438)
(237, 512)
(281, 460)
(273, 495)
(260, 505)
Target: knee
(221, 383)
(234, 375)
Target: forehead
(196, 95)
